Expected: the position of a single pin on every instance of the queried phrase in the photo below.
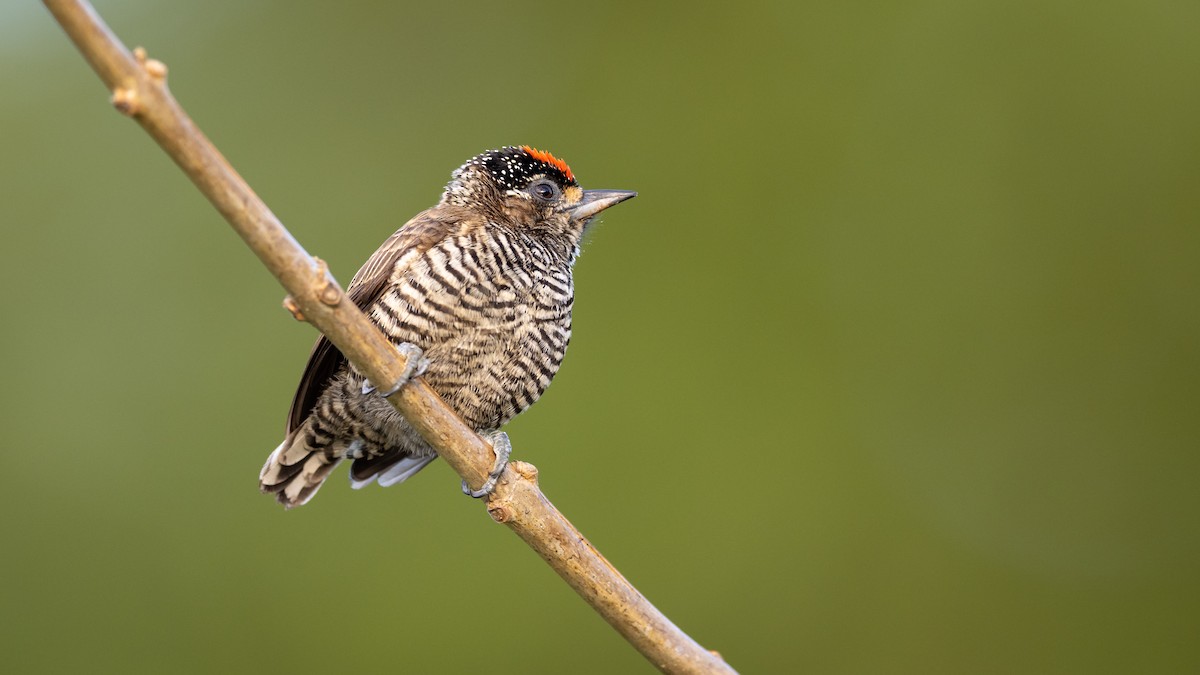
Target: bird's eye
(544, 190)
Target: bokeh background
(892, 367)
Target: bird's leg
(415, 365)
(503, 448)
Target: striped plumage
(482, 283)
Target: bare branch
(139, 90)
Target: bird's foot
(503, 448)
(415, 365)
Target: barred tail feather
(294, 472)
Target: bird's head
(528, 188)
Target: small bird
(478, 289)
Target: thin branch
(139, 90)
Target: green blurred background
(892, 367)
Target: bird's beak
(595, 201)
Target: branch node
(289, 303)
(329, 293)
(500, 512)
(502, 509)
(156, 69)
(125, 100)
(525, 470)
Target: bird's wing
(417, 236)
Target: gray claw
(503, 448)
(415, 365)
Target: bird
(477, 292)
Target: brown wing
(421, 233)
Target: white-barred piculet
(481, 285)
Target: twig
(139, 90)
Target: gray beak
(595, 201)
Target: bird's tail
(294, 471)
